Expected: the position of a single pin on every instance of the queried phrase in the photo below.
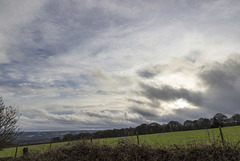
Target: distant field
(194, 137)
(231, 135)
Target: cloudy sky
(89, 64)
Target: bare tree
(9, 129)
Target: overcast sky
(89, 64)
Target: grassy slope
(231, 134)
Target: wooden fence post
(16, 151)
(209, 136)
(137, 138)
(221, 134)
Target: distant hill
(46, 136)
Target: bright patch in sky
(180, 103)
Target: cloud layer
(109, 64)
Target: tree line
(202, 123)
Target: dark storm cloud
(217, 78)
(223, 82)
(222, 75)
(168, 93)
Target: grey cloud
(60, 110)
(60, 26)
(168, 93)
(222, 75)
(193, 56)
(218, 78)
(146, 74)
(184, 114)
(80, 118)
(101, 114)
(149, 113)
(222, 80)
(223, 101)
(154, 103)
(55, 29)
(101, 75)
(180, 115)
(49, 50)
(149, 71)
(136, 101)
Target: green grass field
(184, 138)
(194, 137)
(10, 152)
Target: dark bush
(126, 152)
